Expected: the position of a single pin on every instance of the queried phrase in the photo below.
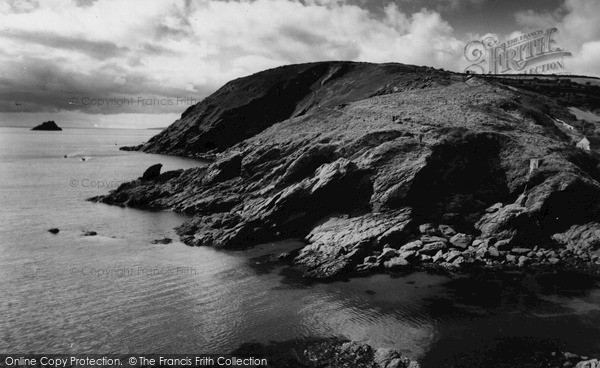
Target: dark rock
(428, 229)
(53, 230)
(90, 233)
(152, 172)
(162, 241)
(225, 168)
(48, 125)
(504, 245)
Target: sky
(140, 64)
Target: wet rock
(152, 172)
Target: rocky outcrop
(152, 172)
(377, 170)
(334, 353)
(48, 125)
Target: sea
(117, 292)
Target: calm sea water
(118, 293)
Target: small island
(48, 125)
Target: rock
(523, 260)
(162, 241)
(225, 168)
(48, 125)
(570, 356)
(433, 248)
(494, 252)
(412, 246)
(458, 261)
(339, 244)
(461, 241)
(593, 363)
(54, 230)
(510, 258)
(152, 172)
(394, 263)
(447, 231)
(390, 358)
(387, 254)
(503, 245)
(452, 255)
(409, 255)
(520, 251)
(311, 151)
(90, 233)
(432, 239)
(439, 256)
(585, 236)
(428, 229)
(477, 242)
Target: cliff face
(381, 166)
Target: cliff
(382, 166)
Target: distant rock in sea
(54, 230)
(48, 125)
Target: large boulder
(339, 244)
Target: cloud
(579, 32)
(95, 49)
(59, 49)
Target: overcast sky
(141, 63)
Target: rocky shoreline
(382, 167)
(339, 353)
